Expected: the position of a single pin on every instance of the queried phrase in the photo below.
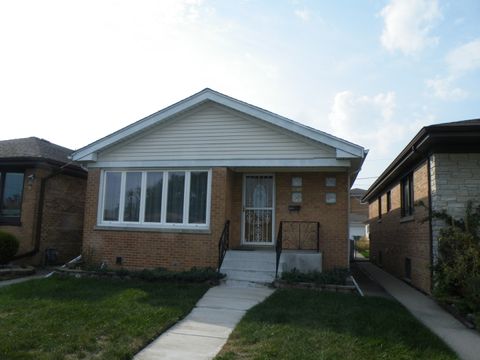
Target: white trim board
(251, 163)
(346, 149)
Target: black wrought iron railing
(297, 235)
(223, 243)
(279, 246)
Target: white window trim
(153, 225)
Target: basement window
(408, 269)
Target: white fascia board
(293, 163)
(88, 157)
(210, 95)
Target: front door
(258, 210)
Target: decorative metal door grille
(258, 209)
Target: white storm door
(258, 210)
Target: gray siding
(212, 132)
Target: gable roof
(458, 136)
(344, 148)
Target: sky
(373, 72)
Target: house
(358, 214)
(210, 173)
(41, 199)
(439, 168)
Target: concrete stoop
(248, 268)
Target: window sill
(10, 222)
(407, 219)
(152, 229)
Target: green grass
(365, 253)
(305, 324)
(67, 318)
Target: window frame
(407, 212)
(11, 220)
(379, 205)
(389, 201)
(163, 224)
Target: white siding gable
(213, 132)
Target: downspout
(38, 227)
(348, 219)
(429, 162)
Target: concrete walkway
(465, 342)
(20, 280)
(202, 334)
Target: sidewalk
(22, 279)
(465, 342)
(202, 334)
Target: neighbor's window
(407, 195)
(379, 207)
(11, 192)
(389, 201)
(156, 198)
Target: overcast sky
(372, 72)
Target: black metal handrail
(278, 247)
(223, 243)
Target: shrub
(363, 244)
(333, 277)
(457, 270)
(8, 247)
(194, 275)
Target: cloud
(303, 14)
(407, 25)
(444, 89)
(465, 57)
(460, 61)
(366, 120)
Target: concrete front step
(248, 265)
(255, 276)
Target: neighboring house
(358, 214)
(439, 167)
(41, 199)
(163, 190)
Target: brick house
(358, 214)
(439, 167)
(163, 191)
(41, 199)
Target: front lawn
(67, 318)
(306, 324)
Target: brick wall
(455, 180)
(153, 248)
(62, 220)
(398, 238)
(177, 250)
(333, 218)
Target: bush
(194, 275)
(457, 270)
(333, 277)
(363, 244)
(8, 247)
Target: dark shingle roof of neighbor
(357, 192)
(452, 136)
(33, 147)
